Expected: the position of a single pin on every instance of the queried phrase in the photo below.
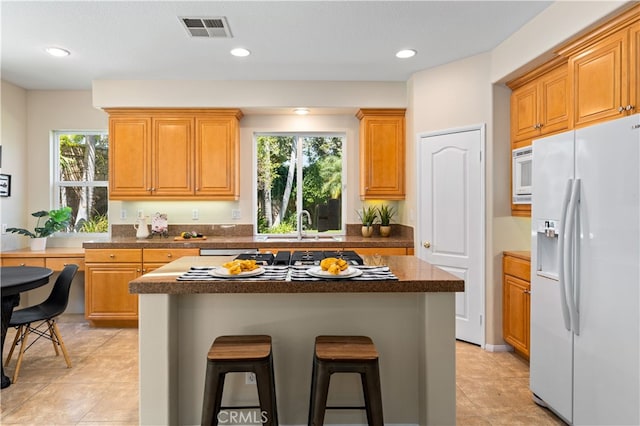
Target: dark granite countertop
(414, 276)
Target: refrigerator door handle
(571, 284)
(566, 315)
(569, 255)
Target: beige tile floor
(102, 387)
(492, 388)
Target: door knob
(426, 244)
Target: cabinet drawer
(23, 261)
(113, 255)
(517, 267)
(58, 263)
(168, 255)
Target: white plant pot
(38, 244)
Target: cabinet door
(217, 158)
(554, 101)
(598, 78)
(382, 156)
(107, 295)
(516, 306)
(634, 76)
(524, 112)
(172, 154)
(129, 157)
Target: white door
(451, 217)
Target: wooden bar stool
(345, 354)
(251, 354)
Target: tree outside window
(82, 178)
(298, 172)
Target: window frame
(57, 183)
(299, 135)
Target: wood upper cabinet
(174, 154)
(516, 301)
(382, 154)
(540, 106)
(634, 74)
(599, 80)
(217, 157)
(129, 156)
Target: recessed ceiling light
(57, 51)
(240, 52)
(406, 53)
(301, 111)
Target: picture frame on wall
(5, 185)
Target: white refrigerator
(585, 273)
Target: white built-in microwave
(522, 169)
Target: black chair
(45, 315)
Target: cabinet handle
(629, 107)
(620, 109)
(149, 189)
(112, 256)
(526, 291)
(169, 255)
(23, 264)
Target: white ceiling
(289, 40)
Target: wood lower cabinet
(516, 300)
(155, 258)
(382, 154)
(170, 154)
(107, 276)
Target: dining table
(13, 281)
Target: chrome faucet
(302, 213)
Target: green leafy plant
(368, 215)
(386, 214)
(58, 220)
(98, 223)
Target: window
(297, 172)
(81, 178)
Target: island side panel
(293, 321)
(437, 369)
(158, 355)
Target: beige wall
(13, 123)
(460, 94)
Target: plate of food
(317, 272)
(238, 269)
(224, 273)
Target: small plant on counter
(368, 215)
(58, 220)
(386, 214)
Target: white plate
(224, 273)
(317, 272)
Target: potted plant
(58, 220)
(386, 213)
(368, 217)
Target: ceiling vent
(214, 27)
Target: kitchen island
(411, 320)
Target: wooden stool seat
(233, 354)
(233, 348)
(333, 348)
(345, 354)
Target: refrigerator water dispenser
(547, 245)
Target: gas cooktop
(301, 257)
